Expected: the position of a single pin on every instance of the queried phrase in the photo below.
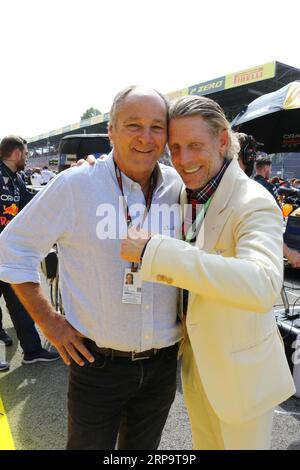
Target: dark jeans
(23, 323)
(119, 398)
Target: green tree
(90, 113)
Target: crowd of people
(39, 176)
(259, 165)
(206, 287)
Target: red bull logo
(3, 221)
(11, 210)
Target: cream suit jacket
(234, 280)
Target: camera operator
(248, 152)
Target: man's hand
(132, 246)
(294, 258)
(66, 339)
(90, 159)
(55, 327)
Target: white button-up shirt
(77, 211)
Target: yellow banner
(178, 94)
(74, 126)
(96, 119)
(255, 74)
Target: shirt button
(135, 187)
(146, 337)
(147, 307)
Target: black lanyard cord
(148, 198)
(126, 208)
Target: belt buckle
(141, 358)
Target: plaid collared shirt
(201, 196)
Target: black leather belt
(132, 355)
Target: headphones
(248, 152)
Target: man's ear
(110, 132)
(16, 155)
(223, 141)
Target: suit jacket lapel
(183, 201)
(217, 214)
(218, 211)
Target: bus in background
(74, 147)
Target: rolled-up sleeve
(29, 237)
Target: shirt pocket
(255, 351)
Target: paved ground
(34, 397)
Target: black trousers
(23, 323)
(118, 398)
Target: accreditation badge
(132, 287)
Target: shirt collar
(259, 177)
(128, 183)
(204, 194)
(8, 171)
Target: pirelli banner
(255, 74)
(244, 77)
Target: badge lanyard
(197, 223)
(126, 208)
(188, 238)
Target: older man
(123, 372)
(234, 367)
